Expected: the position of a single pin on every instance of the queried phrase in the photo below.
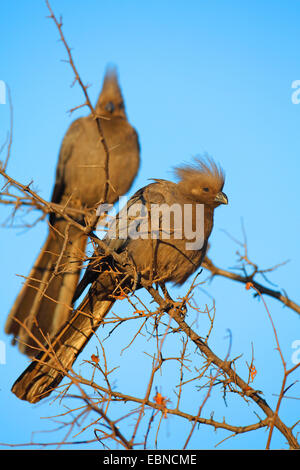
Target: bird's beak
(221, 198)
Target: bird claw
(181, 307)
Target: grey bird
(160, 257)
(44, 302)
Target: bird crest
(203, 172)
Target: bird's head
(110, 102)
(203, 182)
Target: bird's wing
(65, 153)
(117, 236)
(134, 214)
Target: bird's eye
(110, 107)
(206, 190)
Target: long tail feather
(44, 302)
(51, 365)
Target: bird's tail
(44, 302)
(51, 365)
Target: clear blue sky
(197, 77)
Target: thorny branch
(87, 100)
(216, 271)
(98, 399)
(272, 419)
(244, 263)
(225, 365)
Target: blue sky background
(197, 77)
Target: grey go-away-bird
(145, 258)
(44, 302)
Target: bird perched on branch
(169, 248)
(98, 161)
